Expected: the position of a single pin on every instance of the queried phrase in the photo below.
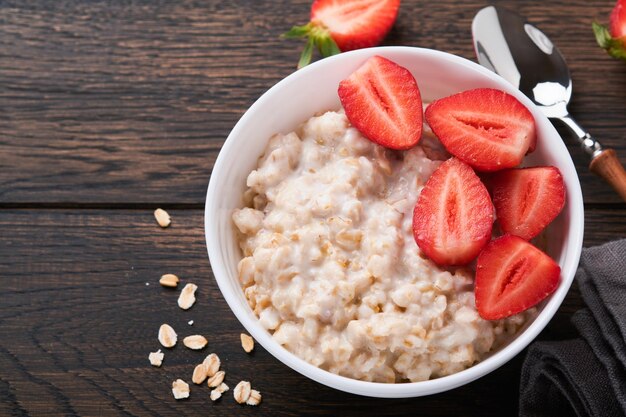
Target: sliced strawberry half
(486, 128)
(511, 276)
(527, 199)
(383, 102)
(453, 216)
(355, 24)
(343, 25)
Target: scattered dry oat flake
(167, 336)
(180, 389)
(199, 374)
(162, 217)
(216, 379)
(187, 296)
(195, 342)
(247, 342)
(169, 280)
(156, 358)
(242, 392)
(255, 397)
(217, 392)
(212, 363)
(215, 395)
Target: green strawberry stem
(616, 47)
(307, 52)
(317, 36)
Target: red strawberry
(453, 216)
(486, 128)
(614, 38)
(618, 20)
(343, 25)
(382, 100)
(527, 199)
(511, 276)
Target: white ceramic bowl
(314, 88)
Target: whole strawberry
(343, 25)
(613, 39)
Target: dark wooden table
(109, 109)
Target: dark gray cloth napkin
(585, 376)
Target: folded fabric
(613, 369)
(565, 379)
(585, 376)
(602, 282)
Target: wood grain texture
(77, 322)
(117, 102)
(115, 107)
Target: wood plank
(129, 102)
(78, 321)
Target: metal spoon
(509, 46)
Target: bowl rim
(378, 389)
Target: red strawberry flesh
(527, 199)
(355, 24)
(511, 276)
(486, 128)
(453, 216)
(383, 102)
(618, 20)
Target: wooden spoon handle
(608, 166)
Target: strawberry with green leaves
(343, 25)
(613, 39)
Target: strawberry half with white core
(527, 199)
(383, 102)
(343, 25)
(613, 39)
(453, 216)
(486, 128)
(511, 276)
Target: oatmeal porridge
(331, 268)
